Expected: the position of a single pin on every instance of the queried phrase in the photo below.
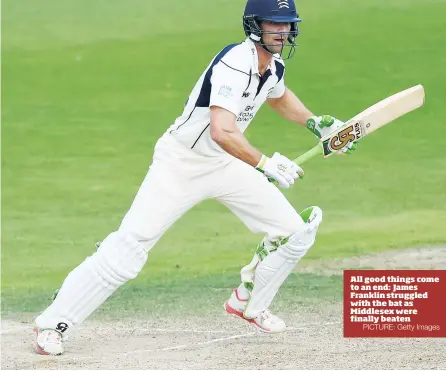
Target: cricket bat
(367, 122)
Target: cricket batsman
(204, 155)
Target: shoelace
(53, 337)
(266, 314)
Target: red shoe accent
(236, 295)
(41, 351)
(37, 347)
(239, 314)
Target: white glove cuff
(262, 162)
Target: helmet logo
(283, 4)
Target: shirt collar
(255, 58)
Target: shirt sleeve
(278, 90)
(228, 85)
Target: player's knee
(291, 225)
(119, 258)
(301, 240)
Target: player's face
(277, 35)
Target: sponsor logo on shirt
(246, 115)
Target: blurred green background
(89, 86)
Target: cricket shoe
(48, 342)
(265, 321)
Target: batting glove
(325, 125)
(281, 169)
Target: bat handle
(316, 150)
(313, 152)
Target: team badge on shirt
(225, 91)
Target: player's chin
(275, 48)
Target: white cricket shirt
(231, 81)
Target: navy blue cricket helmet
(279, 11)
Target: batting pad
(119, 258)
(273, 270)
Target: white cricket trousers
(179, 178)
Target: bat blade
(373, 118)
(367, 121)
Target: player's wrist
(260, 166)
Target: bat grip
(316, 150)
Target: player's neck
(264, 59)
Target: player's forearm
(291, 108)
(235, 143)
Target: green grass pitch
(89, 86)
